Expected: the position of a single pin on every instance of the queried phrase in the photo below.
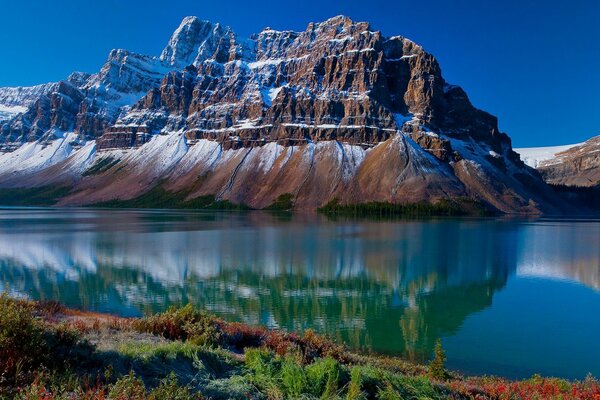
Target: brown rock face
(578, 166)
(56, 109)
(83, 103)
(338, 80)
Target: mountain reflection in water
(392, 287)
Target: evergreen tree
(437, 366)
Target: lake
(506, 297)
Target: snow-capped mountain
(337, 111)
(573, 165)
(536, 156)
(82, 103)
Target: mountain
(572, 165)
(335, 112)
(16, 100)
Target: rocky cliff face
(576, 166)
(337, 111)
(82, 103)
(15, 100)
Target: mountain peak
(339, 19)
(189, 20)
(342, 22)
(193, 41)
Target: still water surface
(506, 297)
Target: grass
(377, 210)
(40, 196)
(151, 352)
(185, 353)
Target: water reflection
(390, 287)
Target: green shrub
(354, 386)
(169, 389)
(331, 385)
(128, 387)
(323, 377)
(293, 378)
(22, 344)
(387, 392)
(264, 367)
(182, 323)
(414, 386)
(262, 362)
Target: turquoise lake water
(507, 297)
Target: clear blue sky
(535, 64)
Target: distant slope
(571, 165)
(534, 156)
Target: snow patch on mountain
(534, 156)
(8, 112)
(159, 155)
(203, 152)
(16, 100)
(35, 156)
(23, 95)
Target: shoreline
(159, 198)
(188, 351)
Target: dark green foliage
(443, 207)
(169, 389)
(40, 196)
(21, 338)
(161, 198)
(103, 165)
(387, 392)
(293, 378)
(324, 376)
(27, 346)
(128, 387)
(586, 196)
(437, 366)
(284, 202)
(355, 385)
(332, 383)
(287, 375)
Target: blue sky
(535, 64)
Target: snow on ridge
(35, 156)
(8, 112)
(534, 156)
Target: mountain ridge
(337, 111)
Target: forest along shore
(50, 352)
